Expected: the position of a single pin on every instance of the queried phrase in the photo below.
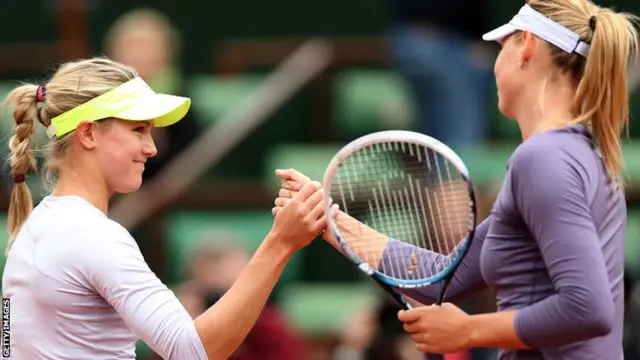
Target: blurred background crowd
(395, 64)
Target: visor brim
(499, 33)
(163, 110)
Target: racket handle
(443, 291)
(406, 306)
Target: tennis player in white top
(78, 284)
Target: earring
(522, 64)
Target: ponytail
(602, 98)
(23, 100)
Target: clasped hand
(437, 329)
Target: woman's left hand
(437, 329)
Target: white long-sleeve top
(81, 289)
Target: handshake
(299, 215)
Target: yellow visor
(133, 100)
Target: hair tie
(592, 23)
(18, 178)
(40, 102)
(40, 93)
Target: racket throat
(443, 292)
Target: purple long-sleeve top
(552, 249)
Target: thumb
(284, 174)
(292, 174)
(408, 316)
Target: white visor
(530, 20)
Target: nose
(149, 147)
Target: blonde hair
(73, 84)
(602, 99)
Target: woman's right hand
(292, 182)
(302, 218)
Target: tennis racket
(408, 210)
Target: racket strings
(409, 193)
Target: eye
(140, 129)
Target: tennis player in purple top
(553, 245)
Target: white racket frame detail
(401, 136)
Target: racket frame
(407, 137)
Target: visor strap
(51, 131)
(553, 30)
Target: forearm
(552, 322)
(467, 281)
(562, 319)
(381, 250)
(365, 242)
(224, 326)
(495, 330)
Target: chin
(504, 109)
(130, 186)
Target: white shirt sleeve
(114, 266)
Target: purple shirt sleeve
(466, 282)
(550, 195)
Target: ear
(529, 46)
(86, 135)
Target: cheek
(507, 83)
(499, 69)
(119, 153)
(506, 77)
(117, 160)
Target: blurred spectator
(146, 40)
(213, 268)
(436, 46)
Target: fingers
(295, 175)
(419, 338)
(290, 185)
(321, 224)
(412, 327)
(318, 209)
(286, 193)
(315, 202)
(311, 189)
(409, 316)
(423, 348)
(322, 221)
(334, 210)
(280, 201)
(314, 205)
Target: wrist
(474, 338)
(496, 330)
(277, 244)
